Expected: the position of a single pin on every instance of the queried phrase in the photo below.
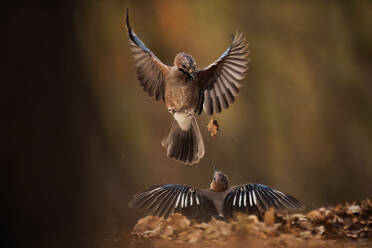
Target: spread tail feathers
(184, 141)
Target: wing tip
(127, 18)
(299, 205)
(132, 203)
(239, 38)
(130, 32)
(238, 34)
(294, 204)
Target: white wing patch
(182, 199)
(178, 199)
(254, 197)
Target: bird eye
(214, 179)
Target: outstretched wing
(151, 72)
(164, 200)
(257, 198)
(220, 80)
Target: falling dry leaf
(213, 127)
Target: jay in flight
(187, 91)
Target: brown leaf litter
(347, 225)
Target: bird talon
(172, 111)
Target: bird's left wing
(257, 198)
(219, 81)
(164, 200)
(151, 72)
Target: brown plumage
(219, 200)
(186, 90)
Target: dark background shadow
(58, 154)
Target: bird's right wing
(151, 72)
(253, 198)
(164, 200)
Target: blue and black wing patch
(134, 37)
(165, 200)
(151, 72)
(257, 198)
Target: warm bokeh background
(88, 137)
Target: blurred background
(84, 137)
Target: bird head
(186, 64)
(220, 182)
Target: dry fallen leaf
(353, 209)
(213, 127)
(269, 217)
(345, 225)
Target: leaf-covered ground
(347, 225)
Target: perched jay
(219, 200)
(186, 90)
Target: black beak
(189, 75)
(193, 75)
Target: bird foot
(221, 218)
(172, 110)
(188, 114)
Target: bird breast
(180, 92)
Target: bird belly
(217, 198)
(218, 203)
(181, 96)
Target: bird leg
(220, 218)
(188, 113)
